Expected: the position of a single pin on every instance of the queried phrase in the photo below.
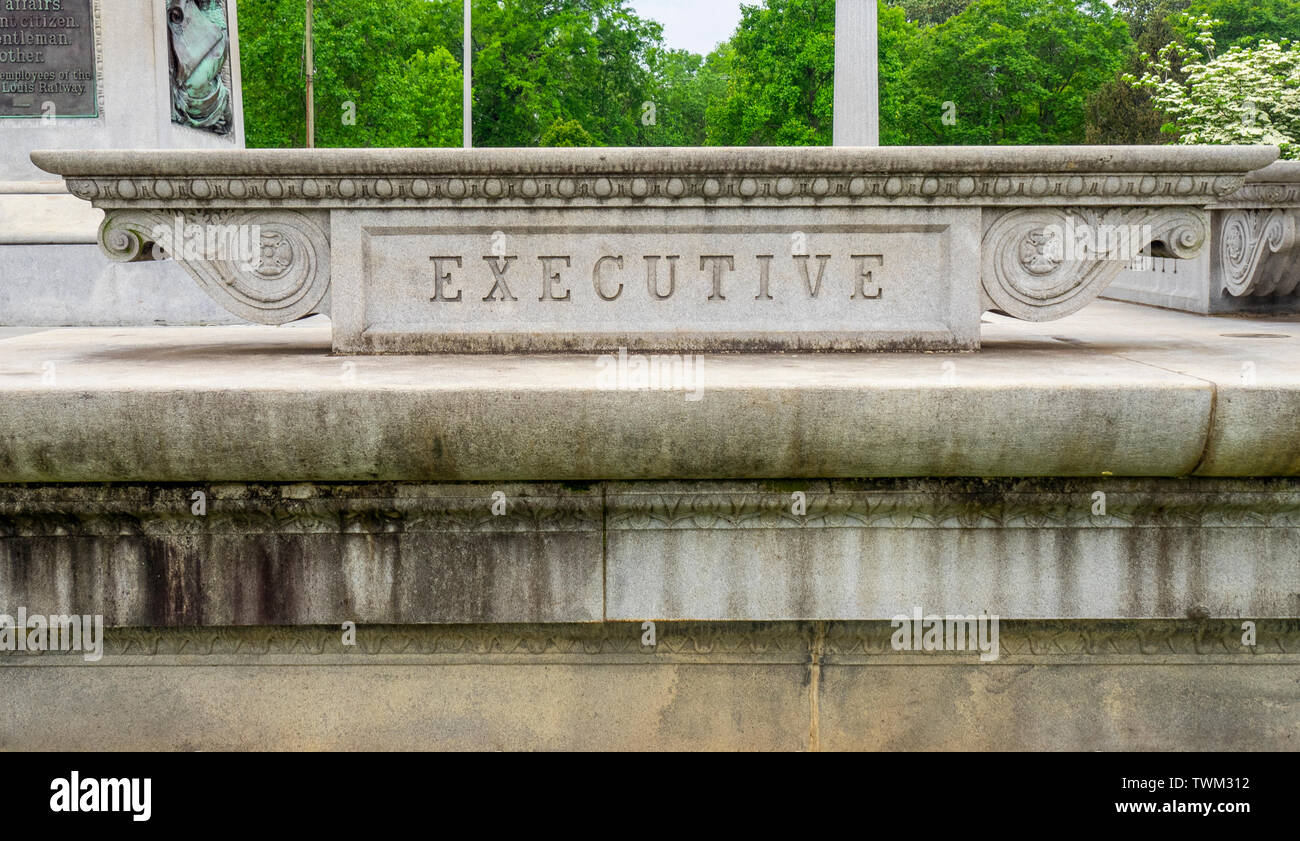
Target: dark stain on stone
(1166, 546)
(279, 596)
(172, 578)
(1067, 564)
(262, 578)
(538, 584)
(1195, 561)
(1001, 565)
(21, 562)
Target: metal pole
(467, 103)
(310, 62)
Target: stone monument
(519, 250)
(103, 74)
(344, 536)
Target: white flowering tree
(1247, 95)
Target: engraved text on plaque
(47, 59)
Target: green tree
(1246, 22)
(393, 65)
(782, 71)
(537, 62)
(1119, 112)
(566, 133)
(1246, 95)
(424, 104)
(780, 74)
(377, 63)
(1012, 71)
(930, 12)
(684, 84)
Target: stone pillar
(98, 74)
(857, 84)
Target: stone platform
(1118, 390)
(703, 686)
(1139, 501)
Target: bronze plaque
(47, 59)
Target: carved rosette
(1040, 264)
(268, 267)
(1247, 243)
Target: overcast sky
(695, 25)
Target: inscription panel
(47, 59)
(476, 282)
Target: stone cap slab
(1276, 185)
(886, 175)
(1277, 171)
(1120, 390)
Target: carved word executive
(504, 277)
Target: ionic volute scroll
(268, 267)
(1041, 264)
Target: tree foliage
(594, 72)
(781, 77)
(383, 61)
(567, 133)
(685, 85)
(1246, 22)
(1246, 95)
(930, 12)
(539, 62)
(1120, 112)
(1012, 71)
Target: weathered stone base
(488, 615)
(1154, 685)
(400, 553)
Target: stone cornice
(1181, 160)
(1275, 186)
(296, 509)
(1022, 203)
(34, 510)
(983, 504)
(843, 643)
(1262, 195)
(998, 176)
